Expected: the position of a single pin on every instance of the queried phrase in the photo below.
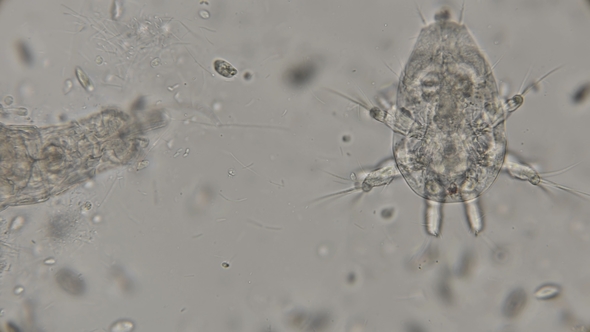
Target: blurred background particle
(388, 212)
(49, 261)
(201, 198)
(464, 264)
(224, 68)
(324, 250)
(143, 164)
(443, 287)
(117, 9)
(123, 280)
(68, 85)
(302, 319)
(70, 281)
(204, 14)
(140, 103)
(155, 62)
(11, 326)
(500, 255)
(19, 290)
(301, 74)
(581, 94)
(24, 53)
(514, 303)
(97, 219)
(353, 278)
(17, 223)
(122, 325)
(547, 291)
(414, 326)
(248, 76)
(62, 226)
(8, 100)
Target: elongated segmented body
(39, 162)
(449, 141)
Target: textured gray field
(213, 221)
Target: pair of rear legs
(433, 210)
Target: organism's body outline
(37, 163)
(449, 126)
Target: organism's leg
(513, 103)
(385, 172)
(386, 96)
(399, 122)
(432, 217)
(380, 177)
(474, 215)
(520, 170)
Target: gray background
(153, 246)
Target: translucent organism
(155, 62)
(70, 281)
(448, 120)
(547, 291)
(68, 85)
(40, 162)
(83, 79)
(224, 68)
(204, 14)
(514, 303)
(49, 261)
(8, 100)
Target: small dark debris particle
(248, 76)
(414, 327)
(581, 94)
(442, 15)
(346, 138)
(387, 213)
(225, 265)
(514, 303)
(24, 52)
(70, 281)
(351, 278)
(301, 74)
(501, 255)
(140, 103)
(12, 327)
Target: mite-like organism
(449, 126)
